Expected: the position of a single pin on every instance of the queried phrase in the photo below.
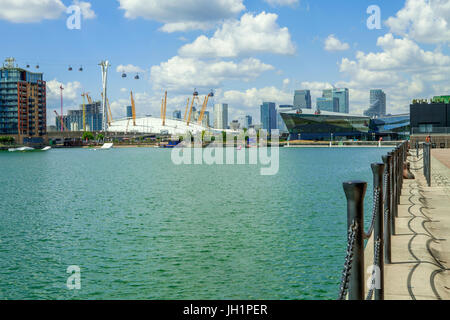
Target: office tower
(73, 121)
(221, 116)
(177, 114)
(377, 104)
(341, 94)
(302, 99)
(23, 104)
(328, 104)
(248, 121)
(268, 116)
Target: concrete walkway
(421, 246)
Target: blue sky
(276, 46)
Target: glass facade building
(73, 121)
(221, 116)
(328, 104)
(377, 104)
(269, 116)
(302, 99)
(321, 126)
(23, 103)
(342, 95)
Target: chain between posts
(376, 206)
(348, 260)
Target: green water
(140, 227)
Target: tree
(88, 136)
(100, 137)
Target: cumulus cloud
(129, 68)
(279, 3)
(28, 11)
(334, 44)
(180, 73)
(183, 15)
(402, 68)
(251, 34)
(422, 20)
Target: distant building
(235, 125)
(248, 121)
(377, 104)
(302, 99)
(177, 114)
(430, 117)
(268, 116)
(328, 104)
(23, 104)
(343, 96)
(280, 122)
(129, 112)
(73, 121)
(221, 116)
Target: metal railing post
(355, 192)
(378, 175)
(387, 159)
(392, 192)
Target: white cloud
(129, 68)
(279, 3)
(402, 68)
(180, 73)
(334, 44)
(253, 98)
(183, 15)
(86, 9)
(250, 35)
(28, 11)
(422, 20)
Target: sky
(246, 51)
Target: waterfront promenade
(421, 244)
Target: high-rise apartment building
(377, 104)
(268, 116)
(23, 104)
(73, 121)
(177, 114)
(221, 116)
(302, 99)
(248, 121)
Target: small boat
(22, 149)
(46, 149)
(107, 146)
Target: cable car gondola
(70, 68)
(37, 66)
(124, 75)
(137, 77)
(81, 69)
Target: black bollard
(355, 192)
(387, 207)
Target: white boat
(46, 148)
(22, 149)
(107, 146)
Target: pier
(420, 265)
(405, 255)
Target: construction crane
(195, 96)
(108, 113)
(84, 109)
(61, 120)
(89, 98)
(164, 110)
(205, 104)
(133, 109)
(186, 112)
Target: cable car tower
(105, 66)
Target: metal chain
(376, 262)
(376, 205)
(348, 260)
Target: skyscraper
(377, 104)
(268, 116)
(177, 114)
(248, 121)
(342, 95)
(302, 99)
(328, 104)
(221, 116)
(23, 104)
